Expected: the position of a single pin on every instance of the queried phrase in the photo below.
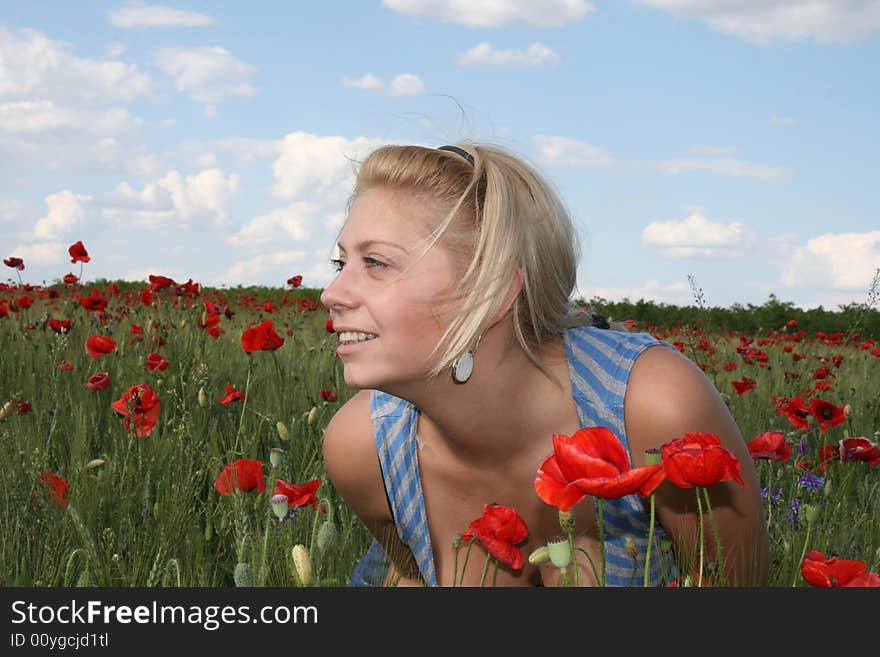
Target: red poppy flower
(156, 362)
(24, 301)
(859, 449)
(729, 366)
(818, 570)
(15, 263)
(742, 387)
(231, 395)
(592, 461)
(698, 459)
(78, 253)
(796, 411)
(770, 445)
(70, 279)
(65, 366)
(826, 413)
(56, 487)
(98, 381)
(59, 325)
(100, 345)
(94, 301)
(298, 495)
(328, 395)
(23, 407)
(499, 529)
(261, 338)
(269, 307)
(242, 475)
(329, 326)
(140, 408)
(295, 281)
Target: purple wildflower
(803, 446)
(810, 482)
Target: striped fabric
(600, 361)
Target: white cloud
(781, 120)
(291, 222)
(65, 211)
(764, 21)
(39, 116)
(554, 149)
(493, 13)
(369, 82)
(206, 74)
(44, 253)
(137, 14)
(483, 54)
(310, 166)
(115, 49)
(651, 290)
(245, 151)
(573, 152)
(174, 199)
(696, 237)
(405, 84)
(255, 269)
(33, 66)
(723, 166)
(844, 261)
(13, 210)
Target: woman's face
(384, 235)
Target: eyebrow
(360, 246)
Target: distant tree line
(772, 314)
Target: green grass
(150, 516)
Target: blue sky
(731, 141)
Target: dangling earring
(463, 366)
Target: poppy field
(166, 434)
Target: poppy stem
(702, 540)
(247, 386)
(769, 494)
(601, 537)
(797, 567)
(467, 555)
(650, 544)
(590, 559)
(495, 575)
(485, 568)
(718, 552)
(577, 570)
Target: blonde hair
(501, 215)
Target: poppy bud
(326, 535)
(276, 456)
(560, 552)
(203, 398)
(653, 456)
(811, 511)
(313, 415)
(280, 505)
(94, 463)
(567, 521)
(540, 556)
(302, 563)
(456, 541)
(631, 548)
(243, 576)
(183, 323)
(847, 410)
(5, 410)
(665, 545)
(826, 490)
(209, 531)
(283, 433)
(159, 382)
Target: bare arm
(668, 396)
(353, 467)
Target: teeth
(351, 336)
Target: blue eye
(337, 265)
(371, 263)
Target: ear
(513, 291)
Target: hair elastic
(460, 151)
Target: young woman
(453, 308)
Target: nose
(338, 294)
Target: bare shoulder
(350, 457)
(667, 396)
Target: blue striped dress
(599, 363)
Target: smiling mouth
(351, 337)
